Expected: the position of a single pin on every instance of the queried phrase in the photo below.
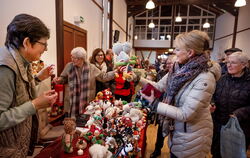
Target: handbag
(232, 140)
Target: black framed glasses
(44, 44)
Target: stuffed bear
(70, 128)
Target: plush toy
(70, 128)
(111, 143)
(99, 151)
(99, 96)
(126, 149)
(135, 115)
(107, 95)
(124, 80)
(97, 137)
(81, 144)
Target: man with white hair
(81, 77)
(231, 99)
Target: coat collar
(22, 63)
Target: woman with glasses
(26, 41)
(232, 98)
(188, 89)
(81, 77)
(98, 59)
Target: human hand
(212, 107)
(57, 80)
(46, 72)
(232, 115)
(150, 98)
(45, 100)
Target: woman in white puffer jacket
(188, 89)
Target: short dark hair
(22, 26)
(232, 50)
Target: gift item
(147, 90)
(70, 128)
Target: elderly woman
(26, 41)
(232, 97)
(81, 77)
(188, 88)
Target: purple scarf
(79, 91)
(179, 75)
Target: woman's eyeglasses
(100, 55)
(44, 44)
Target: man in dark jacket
(232, 98)
(227, 52)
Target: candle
(80, 152)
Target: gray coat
(192, 137)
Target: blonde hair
(195, 40)
(79, 52)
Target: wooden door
(68, 34)
(74, 36)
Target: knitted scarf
(79, 90)
(179, 75)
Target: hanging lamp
(150, 5)
(178, 18)
(206, 24)
(240, 3)
(151, 24)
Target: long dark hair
(22, 26)
(94, 54)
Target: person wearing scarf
(81, 77)
(188, 89)
(98, 59)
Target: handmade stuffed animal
(126, 149)
(70, 128)
(99, 151)
(111, 143)
(81, 144)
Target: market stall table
(55, 149)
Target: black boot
(155, 154)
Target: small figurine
(126, 149)
(70, 128)
(81, 145)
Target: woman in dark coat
(232, 98)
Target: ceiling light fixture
(206, 24)
(240, 3)
(178, 18)
(151, 24)
(150, 4)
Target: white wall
(92, 20)
(120, 16)
(225, 25)
(242, 38)
(10, 8)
